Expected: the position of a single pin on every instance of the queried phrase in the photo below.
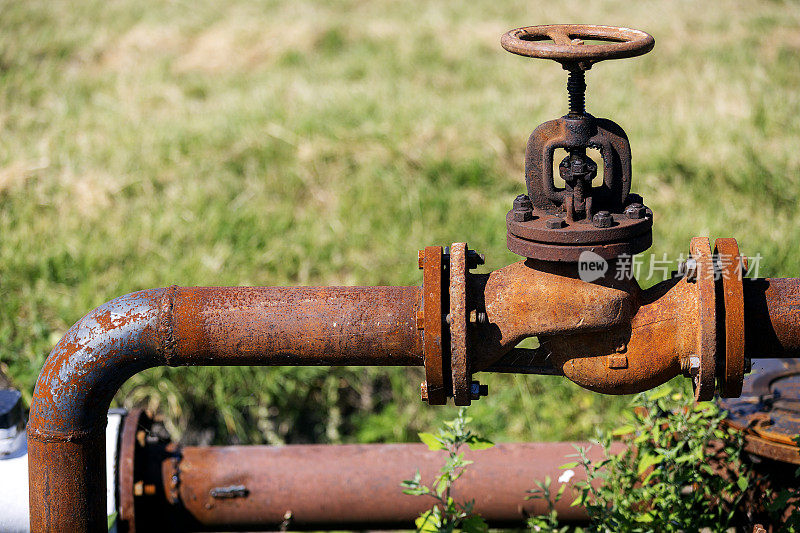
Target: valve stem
(576, 87)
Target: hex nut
(635, 211)
(554, 223)
(602, 219)
(523, 201)
(522, 214)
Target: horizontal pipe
(772, 318)
(189, 326)
(355, 486)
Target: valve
(558, 224)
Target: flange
(703, 374)
(434, 389)
(730, 267)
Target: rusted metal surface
(565, 42)
(772, 315)
(296, 326)
(356, 486)
(768, 411)
(559, 224)
(457, 318)
(434, 388)
(190, 326)
(704, 375)
(731, 269)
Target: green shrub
(681, 470)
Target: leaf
(742, 483)
(431, 441)
(623, 430)
(568, 465)
(428, 522)
(647, 461)
(112, 518)
(479, 443)
(658, 393)
(474, 524)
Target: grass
(288, 143)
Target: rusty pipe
(772, 318)
(308, 487)
(189, 326)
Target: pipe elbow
(95, 357)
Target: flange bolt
(522, 214)
(523, 201)
(602, 219)
(554, 223)
(477, 390)
(635, 211)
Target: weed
(448, 515)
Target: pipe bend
(95, 357)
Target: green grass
(289, 143)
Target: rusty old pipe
(302, 487)
(189, 326)
(772, 317)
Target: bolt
(523, 201)
(554, 223)
(635, 211)
(522, 214)
(423, 391)
(477, 317)
(477, 390)
(602, 219)
(688, 269)
(474, 259)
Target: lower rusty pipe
(312, 487)
(189, 326)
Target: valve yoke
(554, 223)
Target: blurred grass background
(283, 143)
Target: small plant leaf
(569, 465)
(657, 394)
(623, 430)
(647, 461)
(479, 443)
(431, 441)
(742, 483)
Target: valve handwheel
(565, 43)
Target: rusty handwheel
(565, 43)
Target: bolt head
(694, 365)
(523, 201)
(602, 219)
(474, 259)
(554, 223)
(477, 390)
(690, 269)
(635, 211)
(522, 214)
